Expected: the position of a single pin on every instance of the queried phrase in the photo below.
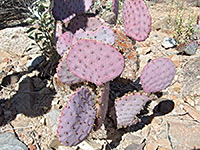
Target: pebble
(35, 61)
(168, 42)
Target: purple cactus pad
(103, 34)
(95, 61)
(64, 42)
(64, 75)
(157, 75)
(137, 20)
(128, 107)
(77, 118)
(65, 10)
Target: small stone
(35, 61)
(198, 3)
(177, 87)
(176, 60)
(43, 121)
(168, 42)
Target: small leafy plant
(182, 26)
(42, 27)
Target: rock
(52, 119)
(198, 3)
(8, 141)
(11, 79)
(168, 42)
(14, 41)
(191, 82)
(24, 99)
(7, 114)
(176, 59)
(34, 62)
(194, 113)
(184, 135)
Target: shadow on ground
(118, 88)
(33, 97)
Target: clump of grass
(182, 25)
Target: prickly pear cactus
(95, 61)
(64, 75)
(128, 107)
(102, 106)
(157, 75)
(77, 118)
(64, 42)
(137, 20)
(103, 34)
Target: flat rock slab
(184, 135)
(191, 82)
(14, 40)
(8, 141)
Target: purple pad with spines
(95, 61)
(64, 74)
(77, 118)
(65, 10)
(137, 20)
(103, 34)
(64, 42)
(157, 75)
(127, 107)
